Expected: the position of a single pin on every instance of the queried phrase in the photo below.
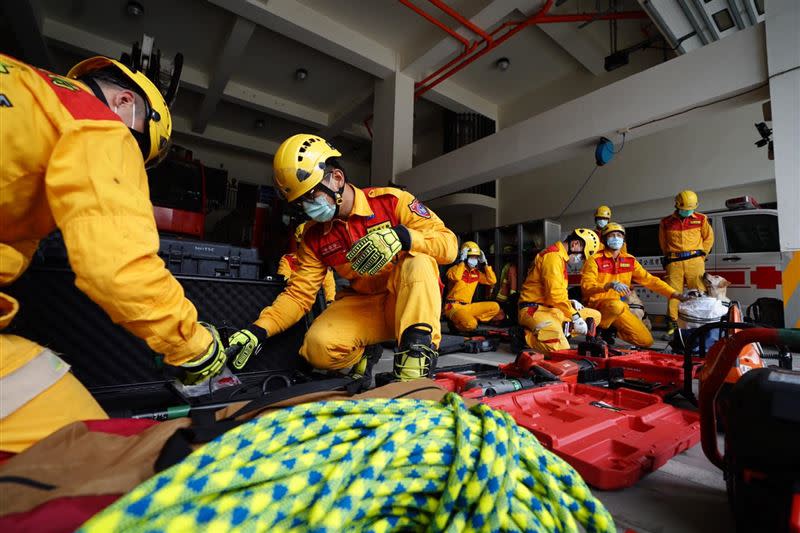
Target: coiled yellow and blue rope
(368, 465)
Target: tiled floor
(687, 494)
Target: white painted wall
(570, 87)
(714, 153)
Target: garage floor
(686, 494)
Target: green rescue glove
(249, 340)
(376, 249)
(207, 365)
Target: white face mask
(133, 114)
(472, 262)
(576, 259)
(601, 222)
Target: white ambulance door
(748, 254)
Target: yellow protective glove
(249, 342)
(209, 364)
(376, 249)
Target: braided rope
(369, 465)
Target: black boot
(517, 339)
(416, 356)
(363, 369)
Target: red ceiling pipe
(462, 19)
(426, 85)
(433, 20)
(542, 17)
(587, 17)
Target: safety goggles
(314, 191)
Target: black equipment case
(209, 259)
(118, 368)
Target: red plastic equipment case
(612, 437)
(664, 368)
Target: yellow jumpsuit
(375, 308)
(602, 269)
(458, 307)
(685, 236)
(546, 285)
(68, 162)
(287, 266)
(508, 282)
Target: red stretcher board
(611, 449)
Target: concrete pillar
(783, 59)
(392, 127)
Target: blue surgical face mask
(320, 209)
(615, 243)
(685, 213)
(472, 262)
(601, 222)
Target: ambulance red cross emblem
(765, 277)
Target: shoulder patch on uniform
(80, 104)
(417, 208)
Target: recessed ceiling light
(134, 9)
(300, 74)
(503, 63)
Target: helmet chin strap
(335, 195)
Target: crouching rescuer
(544, 305)
(73, 157)
(464, 277)
(607, 277)
(384, 241)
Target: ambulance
(746, 252)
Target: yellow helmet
(686, 200)
(299, 164)
(613, 226)
(471, 247)
(298, 232)
(157, 121)
(591, 242)
(603, 212)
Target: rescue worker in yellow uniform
(544, 306)
(464, 277)
(384, 241)
(607, 278)
(508, 283)
(72, 156)
(686, 238)
(287, 266)
(602, 216)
